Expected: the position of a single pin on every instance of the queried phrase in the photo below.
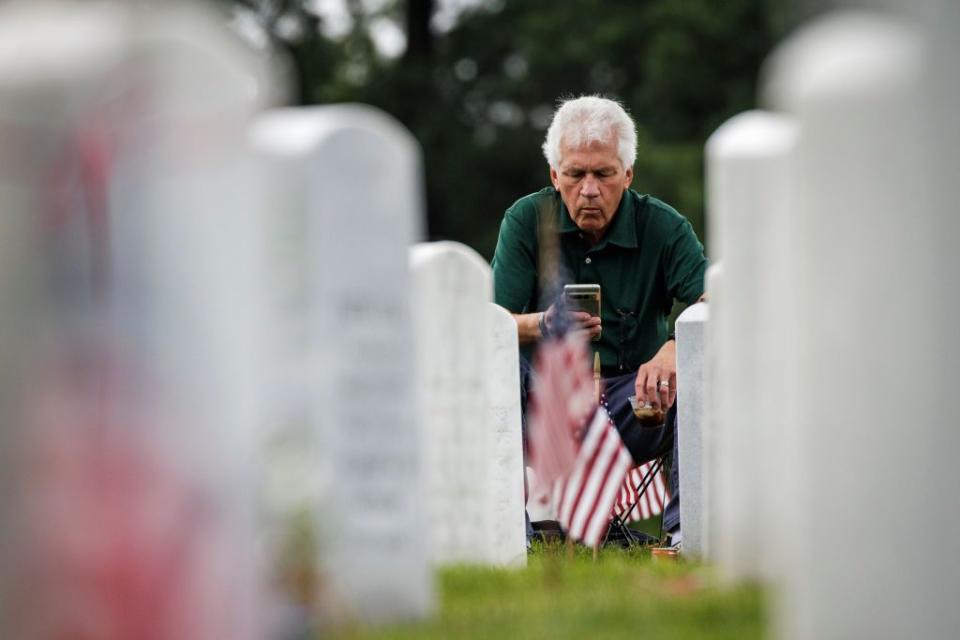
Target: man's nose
(591, 188)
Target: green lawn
(621, 595)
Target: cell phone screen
(583, 297)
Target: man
(642, 253)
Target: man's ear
(627, 177)
(555, 178)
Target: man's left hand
(657, 379)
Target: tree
(419, 35)
(479, 96)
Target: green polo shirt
(649, 257)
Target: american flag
(652, 501)
(588, 496)
(562, 400)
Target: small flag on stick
(593, 486)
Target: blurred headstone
(503, 406)
(941, 26)
(868, 410)
(452, 289)
(347, 207)
(128, 348)
(746, 198)
(691, 361)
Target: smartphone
(583, 297)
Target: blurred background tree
(476, 83)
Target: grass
(624, 594)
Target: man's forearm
(528, 327)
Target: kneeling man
(642, 253)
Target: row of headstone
(830, 358)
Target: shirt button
(588, 261)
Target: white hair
(581, 121)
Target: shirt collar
(622, 231)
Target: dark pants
(643, 443)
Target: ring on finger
(663, 383)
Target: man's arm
(685, 265)
(528, 327)
(514, 268)
(656, 381)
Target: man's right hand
(528, 324)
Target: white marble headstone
(452, 289)
(746, 199)
(348, 206)
(714, 282)
(691, 378)
(941, 24)
(506, 495)
(131, 313)
(867, 415)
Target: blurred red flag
(112, 538)
(562, 399)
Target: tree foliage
(479, 95)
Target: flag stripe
(596, 476)
(575, 482)
(618, 466)
(561, 400)
(590, 486)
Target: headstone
(452, 289)
(503, 405)
(868, 409)
(746, 194)
(128, 358)
(941, 24)
(691, 361)
(714, 284)
(348, 205)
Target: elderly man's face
(591, 180)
